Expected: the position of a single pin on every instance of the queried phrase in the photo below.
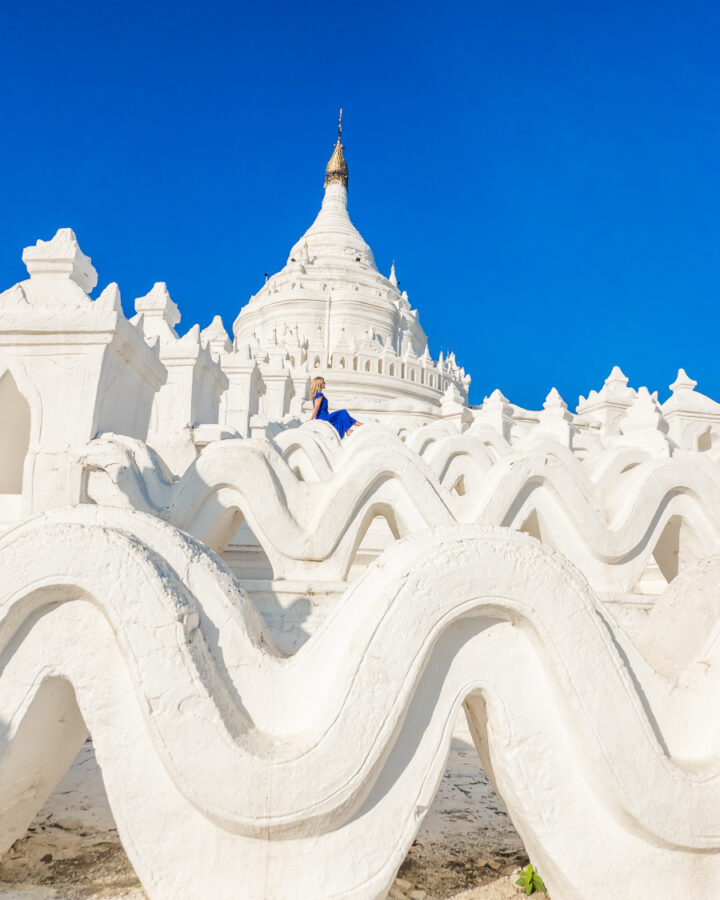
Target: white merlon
(61, 257)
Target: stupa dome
(330, 308)
(332, 260)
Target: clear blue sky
(546, 175)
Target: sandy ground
(466, 840)
(466, 848)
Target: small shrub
(530, 881)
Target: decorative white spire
(216, 336)
(555, 407)
(614, 390)
(393, 277)
(159, 313)
(61, 257)
(644, 426)
(683, 382)
(555, 421)
(616, 378)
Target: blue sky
(546, 175)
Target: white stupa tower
(330, 312)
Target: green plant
(530, 881)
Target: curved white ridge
(289, 758)
(607, 523)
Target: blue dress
(341, 419)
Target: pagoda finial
(336, 170)
(393, 277)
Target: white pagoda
(330, 312)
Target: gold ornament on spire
(336, 170)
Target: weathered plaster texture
(269, 632)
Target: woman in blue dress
(341, 419)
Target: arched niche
(708, 440)
(378, 531)
(677, 548)
(14, 435)
(246, 556)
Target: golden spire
(337, 170)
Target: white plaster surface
(499, 622)
(466, 838)
(269, 632)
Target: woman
(341, 419)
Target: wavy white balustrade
(607, 514)
(234, 773)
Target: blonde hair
(315, 386)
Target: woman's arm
(316, 407)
